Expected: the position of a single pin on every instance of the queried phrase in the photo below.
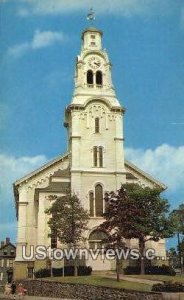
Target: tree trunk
(117, 269)
(142, 258)
(75, 261)
(75, 268)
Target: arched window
(97, 125)
(99, 78)
(89, 77)
(91, 204)
(98, 200)
(95, 156)
(96, 239)
(98, 156)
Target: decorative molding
(99, 171)
(119, 139)
(75, 137)
(24, 203)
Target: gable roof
(7, 245)
(145, 175)
(39, 170)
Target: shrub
(132, 270)
(153, 270)
(83, 270)
(68, 271)
(168, 287)
(42, 273)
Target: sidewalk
(2, 297)
(131, 279)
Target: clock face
(94, 62)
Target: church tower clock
(94, 120)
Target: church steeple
(94, 118)
(93, 70)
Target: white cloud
(125, 8)
(46, 38)
(12, 168)
(19, 50)
(41, 39)
(165, 163)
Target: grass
(177, 278)
(103, 281)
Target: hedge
(68, 271)
(153, 270)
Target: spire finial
(91, 15)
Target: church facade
(93, 164)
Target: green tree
(173, 257)
(69, 219)
(119, 211)
(179, 212)
(179, 215)
(137, 212)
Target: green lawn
(177, 278)
(102, 281)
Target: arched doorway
(96, 239)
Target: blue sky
(39, 42)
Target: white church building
(93, 163)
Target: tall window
(53, 239)
(99, 200)
(98, 157)
(91, 204)
(95, 156)
(99, 80)
(89, 77)
(97, 125)
(96, 239)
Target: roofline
(45, 166)
(91, 29)
(9, 244)
(131, 165)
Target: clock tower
(94, 121)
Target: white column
(41, 230)
(119, 144)
(21, 230)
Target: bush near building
(151, 270)
(68, 271)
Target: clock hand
(96, 63)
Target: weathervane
(91, 15)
